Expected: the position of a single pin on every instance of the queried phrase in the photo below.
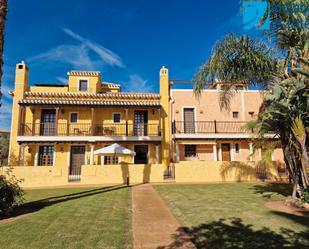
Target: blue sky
(128, 41)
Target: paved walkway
(154, 226)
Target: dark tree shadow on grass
(233, 233)
(34, 206)
(269, 189)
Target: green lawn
(233, 215)
(72, 218)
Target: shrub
(304, 195)
(11, 194)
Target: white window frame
(70, 118)
(78, 84)
(113, 117)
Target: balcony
(86, 129)
(209, 127)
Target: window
(190, 150)
(73, 117)
(251, 114)
(83, 85)
(109, 160)
(236, 148)
(46, 155)
(116, 117)
(238, 88)
(235, 114)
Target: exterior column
(251, 151)
(214, 148)
(159, 128)
(232, 152)
(127, 116)
(91, 153)
(54, 155)
(36, 156)
(33, 121)
(220, 152)
(157, 154)
(22, 155)
(56, 124)
(177, 153)
(20, 121)
(92, 121)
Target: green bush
(304, 195)
(11, 194)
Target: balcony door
(140, 123)
(189, 120)
(48, 122)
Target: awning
(114, 150)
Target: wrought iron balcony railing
(86, 129)
(200, 127)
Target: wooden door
(140, 123)
(226, 152)
(76, 162)
(189, 122)
(48, 122)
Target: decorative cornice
(110, 85)
(88, 102)
(84, 73)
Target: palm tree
(282, 68)
(3, 13)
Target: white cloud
(137, 84)
(75, 55)
(87, 55)
(62, 80)
(105, 54)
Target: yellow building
(56, 130)
(62, 125)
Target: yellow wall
(45, 176)
(117, 174)
(94, 83)
(42, 176)
(212, 171)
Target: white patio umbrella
(114, 150)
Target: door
(226, 152)
(48, 122)
(140, 123)
(77, 160)
(141, 156)
(189, 122)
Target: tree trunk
(292, 166)
(3, 13)
(305, 160)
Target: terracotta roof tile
(88, 102)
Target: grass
(72, 218)
(234, 215)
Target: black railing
(200, 127)
(86, 129)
